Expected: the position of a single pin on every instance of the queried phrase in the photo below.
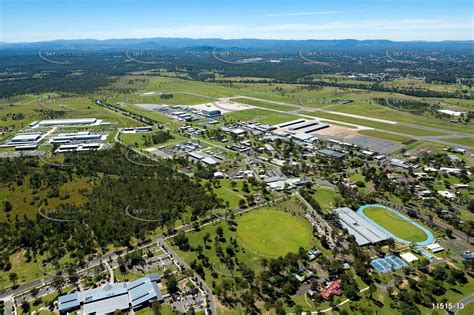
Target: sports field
(395, 224)
(274, 233)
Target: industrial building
(363, 231)
(78, 136)
(26, 147)
(137, 130)
(290, 123)
(304, 137)
(113, 296)
(211, 112)
(303, 125)
(205, 159)
(331, 153)
(402, 164)
(26, 138)
(66, 122)
(316, 128)
(78, 147)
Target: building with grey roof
(113, 296)
(26, 138)
(290, 123)
(67, 122)
(302, 125)
(331, 153)
(363, 231)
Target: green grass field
(261, 115)
(384, 135)
(325, 197)
(463, 141)
(177, 99)
(228, 194)
(138, 139)
(468, 309)
(396, 225)
(274, 233)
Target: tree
(156, 307)
(13, 278)
(7, 206)
(58, 283)
(172, 284)
(351, 292)
(206, 237)
(391, 244)
(372, 289)
(220, 232)
(25, 306)
(181, 241)
(449, 233)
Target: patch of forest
(159, 191)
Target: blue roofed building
(113, 296)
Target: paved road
(200, 282)
(462, 304)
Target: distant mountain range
(247, 44)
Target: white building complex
(66, 122)
(113, 296)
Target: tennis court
(388, 264)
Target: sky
(399, 20)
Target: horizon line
(240, 38)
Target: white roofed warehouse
(67, 122)
(113, 296)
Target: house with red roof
(334, 287)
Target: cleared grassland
(374, 124)
(139, 139)
(325, 197)
(384, 135)
(463, 141)
(26, 203)
(177, 99)
(274, 233)
(261, 115)
(395, 224)
(20, 111)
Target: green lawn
(325, 197)
(261, 115)
(274, 233)
(228, 194)
(384, 135)
(463, 141)
(396, 225)
(179, 98)
(468, 309)
(138, 139)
